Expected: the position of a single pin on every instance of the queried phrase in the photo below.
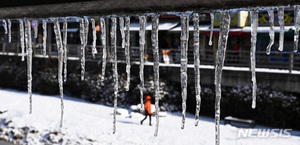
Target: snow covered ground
(87, 123)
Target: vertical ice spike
(127, 51)
(82, 48)
(86, 30)
(154, 39)
(254, 25)
(184, 37)
(21, 26)
(60, 65)
(113, 35)
(297, 26)
(94, 49)
(5, 26)
(29, 61)
(9, 30)
(197, 66)
(121, 22)
(103, 41)
(212, 18)
(35, 28)
(26, 34)
(65, 40)
(142, 35)
(271, 32)
(281, 24)
(222, 44)
(44, 37)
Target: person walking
(147, 110)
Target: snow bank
(87, 123)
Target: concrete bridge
(57, 8)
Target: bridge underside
(57, 8)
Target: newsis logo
(260, 133)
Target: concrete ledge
(55, 8)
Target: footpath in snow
(87, 123)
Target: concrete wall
(283, 82)
(280, 81)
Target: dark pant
(147, 114)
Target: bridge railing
(276, 60)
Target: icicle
(44, 37)
(103, 41)
(197, 66)
(154, 39)
(5, 26)
(29, 61)
(94, 51)
(113, 35)
(271, 32)
(281, 24)
(184, 37)
(212, 17)
(127, 51)
(121, 22)
(254, 25)
(82, 39)
(297, 26)
(21, 25)
(26, 34)
(86, 31)
(60, 65)
(9, 30)
(223, 36)
(142, 35)
(65, 38)
(35, 28)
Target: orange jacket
(166, 52)
(148, 104)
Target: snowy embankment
(87, 123)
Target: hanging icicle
(212, 18)
(94, 49)
(65, 38)
(154, 39)
(197, 66)
(121, 22)
(223, 36)
(297, 26)
(44, 37)
(35, 28)
(103, 41)
(142, 34)
(5, 26)
(184, 37)
(127, 51)
(21, 26)
(29, 61)
(26, 34)
(281, 24)
(82, 48)
(60, 65)
(86, 30)
(113, 35)
(271, 32)
(254, 25)
(9, 30)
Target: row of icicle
(124, 24)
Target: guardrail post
(18, 49)
(49, 50)
(291, 61)
(3, 47)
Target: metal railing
(276, 60)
